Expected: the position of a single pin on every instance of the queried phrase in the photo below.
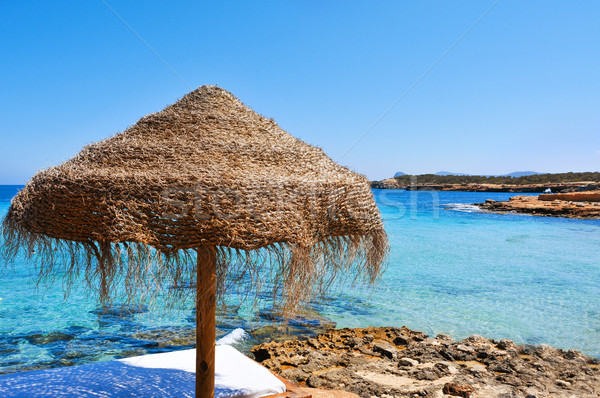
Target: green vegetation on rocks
(525, 180)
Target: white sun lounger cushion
(170, 374)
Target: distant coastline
(562, 182)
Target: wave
(464, 207)
(233, 337)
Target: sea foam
(235, 336)
(464, 207)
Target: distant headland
(526, 181)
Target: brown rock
(545, 207)
(385, 349)
(407, 362)
(593, 196)
(458, 390)
(367, 362)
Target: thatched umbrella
(205, 175)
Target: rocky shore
(392, 183)
(573, 205)
(399, 362)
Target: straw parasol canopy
(205, 177)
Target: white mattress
(170, 374)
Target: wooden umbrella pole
(206, 289)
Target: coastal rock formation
(399, 362)
(593, 196)
(547, 205)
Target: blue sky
(520, 91)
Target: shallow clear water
(452, 270)
(531, 279)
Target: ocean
(452, 269)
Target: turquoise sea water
(451, 270)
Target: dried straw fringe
(134, 273)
